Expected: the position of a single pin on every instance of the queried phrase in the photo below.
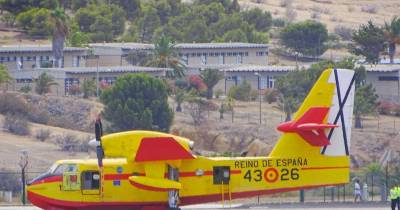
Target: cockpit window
(60, 169)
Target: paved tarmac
(307, 206)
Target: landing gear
(173, 195)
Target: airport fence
(374, 189)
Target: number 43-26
(285, 174)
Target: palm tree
(5, 77)
(392, 36)
(211, 77)
(165, 56)
(43, 83)
(59, 22)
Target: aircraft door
(70, 178)
(221, 175)
(90, 183)
(173, 195)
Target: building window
(246, 54)
(388, 78)
(261, 53)
(264, 82)
(221, 59)
(69, 83)
(271, 82)
(229, 54)
(239, 59)
(185, 59)
(203, 59)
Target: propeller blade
(98, 129)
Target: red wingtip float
(310, 126)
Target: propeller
(98, 129)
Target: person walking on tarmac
(393, 197)
(357, 191)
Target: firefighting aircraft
(152, 170)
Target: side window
(90, 180)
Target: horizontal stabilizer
(153, 184)
(315, 138)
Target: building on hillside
(259, 77)
(386, 81)
(191, 54)
(27, 57)
(69, 79)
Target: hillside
(332, 12)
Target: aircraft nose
(93, 143)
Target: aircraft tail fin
(322, 124)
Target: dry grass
(355, 12)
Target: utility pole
(23, 163)
(259, 92)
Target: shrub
(16, 124)
(254, 95)
(9, 181)
(279, 22)
(74, 90)
(286, 3)
(12, 104)
(218, 93)
(384, 108)
(240, 92)
(25, 89)
(70, 143)
(270, 96)
(370, 8)
(315, 15)
(344, 32)
(42, 134)
(181, 83)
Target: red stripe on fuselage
(48, 180)
(47, 203)
(50, 203)
(323, 168)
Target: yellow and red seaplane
(153, 170)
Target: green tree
(236, 35)
(391, 33)
(88, 87)
(262, 20)
(59, 23)
(211, 77)
(294, 86)
(240, 92)
(131, 7)
(137, 101)
(165, 56)
(368, 41)
(43, 83)
(101, 30)
(5, 77)
(148, 23)
(17, 6)
(36, 22)
(307, 38)
(365, 102)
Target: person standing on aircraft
(357, 191)
(393, 197)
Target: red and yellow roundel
(271, 175)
